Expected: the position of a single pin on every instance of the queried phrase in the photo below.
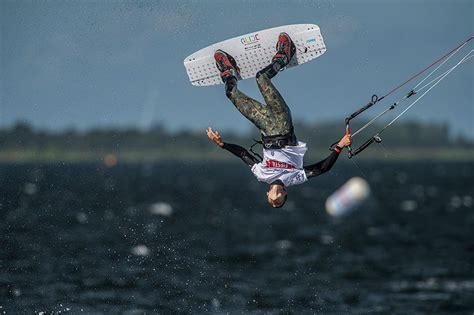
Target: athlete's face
(276, 196)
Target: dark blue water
(91, 239)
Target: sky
(88, 64)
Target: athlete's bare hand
(214, 136)
(345, 141)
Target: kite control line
(417, 89)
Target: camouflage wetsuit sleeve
(241, 152)
(322, 166)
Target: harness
(274, 142)
(279, 141)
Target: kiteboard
(254, 51)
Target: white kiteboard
(254, 51)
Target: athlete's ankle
(230, 86)
(281, 60)
(229, 74)
(277, 66)
(271, 70)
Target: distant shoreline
(112, 158)
(412, 141)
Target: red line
(426, 68)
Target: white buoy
(350, 195)
(161, 208)
(30, 189)
(140, 250)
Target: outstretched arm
(326, 164)
(235, 149)
(322, 166)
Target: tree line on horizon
(24, 136)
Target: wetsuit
(273, 120)
(310, 170)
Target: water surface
(187, 238)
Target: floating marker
(350, 195)
(161, 208)
(140, 250)
(30, 189)
(409, 205)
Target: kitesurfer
(282, 163)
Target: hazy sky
(120, 63)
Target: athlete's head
(277, 195)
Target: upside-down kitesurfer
(282, 163)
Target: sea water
(199, 238)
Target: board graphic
(254, 51)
